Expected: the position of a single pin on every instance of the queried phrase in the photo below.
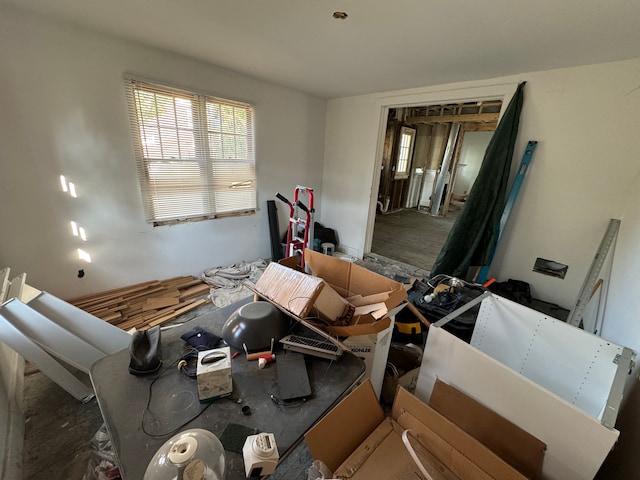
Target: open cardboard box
(339, 299)
(453, 437)
(347, 298)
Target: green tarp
(472, 239)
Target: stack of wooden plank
(147, 304)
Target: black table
(174, 400)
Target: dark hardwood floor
(412, 237)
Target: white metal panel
(428, 179)
(28, 293)
(19, 342)
(53, 338)
(444, 173)
(96, 332)
(577, 444)
(572, 363)
(414, 188)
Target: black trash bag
(515, 290)
(324, 234)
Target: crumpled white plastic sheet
(228, 281)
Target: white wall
(585, 120)
(64, 112)
(474, 146)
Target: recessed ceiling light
(340, 15)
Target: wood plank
(104, 305)
(177, 280)
(143, 324)
(112, 317)
(193, 282)
(139, 305)
(89, 299)
(194, 291)
(174, 292)
(128, 325)
(141, 319)
(159, 302)
(145, 293)
(145, 317)
(471, 117)
(479, 127)
(107, 310)
(180, 311)
(418, 314)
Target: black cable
(187, 354)
(186, 363)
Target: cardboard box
(356, 441)
(214, 379)
(347, 298)
(374, 350)
(339, 299)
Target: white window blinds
(195, 153)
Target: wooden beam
(418, 314)
(471, 117)
(479, 127)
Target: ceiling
(383, 44)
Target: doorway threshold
(390, 268)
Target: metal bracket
(632, 364)
(467, 306)
(625, 362)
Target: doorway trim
(503, 91)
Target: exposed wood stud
(473, 117)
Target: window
(195, 153)
(405, 152)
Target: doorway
(430, 159)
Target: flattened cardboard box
(357, 442)
(354, 300)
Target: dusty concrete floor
(58, 429)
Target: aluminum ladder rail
(610, 235)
